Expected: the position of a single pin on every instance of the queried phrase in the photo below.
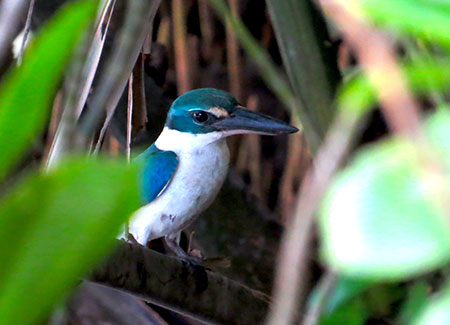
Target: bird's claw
(192, 260)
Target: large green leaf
(425, 18)
(382, 219)
(27, 92)
(310, 62)
(54, 227)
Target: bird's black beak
(242, 121)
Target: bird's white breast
(201, 171)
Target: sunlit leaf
(425, 18)
(27, 92)
(382, 219)
(54, 227)
(357, 96)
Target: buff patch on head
(218, 112)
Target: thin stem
(10, 13)
(377, 57)
(325, 290)
(181, 48)
(270, 73)
(233, 59)
(78, 83)
(127, 47)
(291, 275)
(95, 53)
(26, 32)
(129, 116)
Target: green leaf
(354, 312)
(357, 96)
(427, 19)
(346, 289)
(54, 227)
(311, 65)
(424, 74)
(417, 298)
(27, 92)
(382, 298)
(381, 219)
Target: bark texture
(179, 286)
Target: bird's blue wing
(158, 168)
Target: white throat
(179, 142)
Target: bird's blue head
(212, 110)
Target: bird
(184, 169)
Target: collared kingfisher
(186, 166)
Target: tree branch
(173, 284)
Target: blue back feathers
(159, 167)
(179, 117)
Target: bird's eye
(200, 116)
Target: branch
(173, 284)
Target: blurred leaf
(436, 311)
(380, 219)
(382, 298)
(27, 93)
(357, 96)
(54, 227)
(345, 290)
(378, 297)
(353, 313)
(424, 18)
(439, 133)
(425, 74)
(311, 65)
(417, 297)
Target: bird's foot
(194, 264)
(211, 263)
(192, 260)
(195, 259)
(196, 256)
(130, 239)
